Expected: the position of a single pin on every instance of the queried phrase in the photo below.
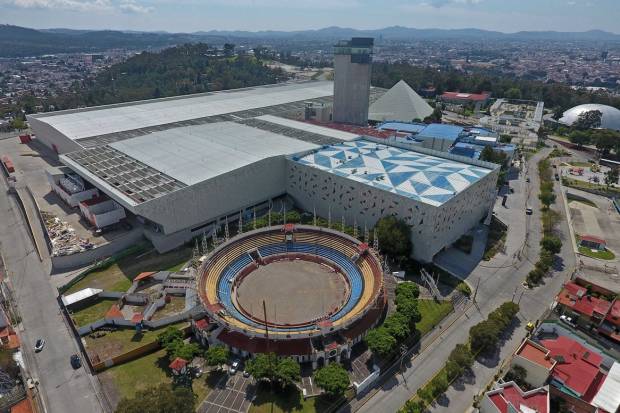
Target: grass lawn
(93, 312)
(579, 164)
(176, 305)
(601, 255)
(118, 276)
(139, 374)
(152, 370)
(288, 401)
(122, 340)
(432, 313)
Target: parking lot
(232, 394)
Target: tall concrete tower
(352, 67)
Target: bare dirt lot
(294, 291)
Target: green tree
(394, 237)
(418, 406)
(513, 93)
(332, 378)
(169, 335)
(579, 138)
(217, 355)
(547, 198)
(398, 325)
(488, 154)
(288, 371)
(462, 356)
(179, 348)
(483, 336)
(380, 341)
(407, 289)
(160, 399)
(588, 120)
(262, 366)
(611, 177)
(409, 308)
(551, 243)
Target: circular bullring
(313, 281)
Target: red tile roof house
(588, 311)
(577, 376)
(509, 398)
(537, 362)
(611, 325)
(592, 242)
(464, 98)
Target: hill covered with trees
(181, 70)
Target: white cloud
(441, 3)
(134, 8)
(79, 5)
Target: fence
(134, 354)
(616, 205)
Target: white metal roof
(80, 295)
(194, 154)
(309, 127)
(608, 396)
(82, 123)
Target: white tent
(400, 103)
(608, 396)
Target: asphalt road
(62, 389)
(500, 281)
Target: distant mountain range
(408, 33)
(18, 41)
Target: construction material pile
(63, 237)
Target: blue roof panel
(425, 178)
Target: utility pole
(476, 290)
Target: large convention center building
(183, 165)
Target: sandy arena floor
(294, 291)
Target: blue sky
(195, 15)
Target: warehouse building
(183, 166)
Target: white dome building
(610, 119)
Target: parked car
(246, 374)
(567, 320)
(234, 366)
(527, 180)
(76, 363)
(39, 344)
(529, 211)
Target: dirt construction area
(295, 292)
(596, 217)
